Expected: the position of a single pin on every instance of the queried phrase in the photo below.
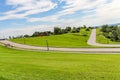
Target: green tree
(104, 28)
(35, 34)
(87, 29)
(68, 29)
(84, 26)
(75, 30)
(114, 35)
(26, 35)
(118, 33)
(57, 30)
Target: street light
(24, 40)
(107, 41)
(47, 45)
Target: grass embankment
(64, 40)
(102, 39)
(26, 65)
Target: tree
(68, 29)
(114, 36)
(75, 30)
(63, 31)
(57, 30)
(49, 33)
(90, 27)
(87, 29)
(84, 26)
(111, 32)
(118, 32)
(104, 28)
(106, 35)
(35, 34)
(78, 30)
(26, 35)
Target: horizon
(18, 17)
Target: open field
(102, 39)
(26, 65)
(64, 40)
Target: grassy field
(102, 39)
(64, 40)
(26, 65)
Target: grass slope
(26, 65)
(102, 39)
(64, 40)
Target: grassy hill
(27, 65)
(102, 39)
(64, 40)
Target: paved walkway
(92, 41)
(21, 46)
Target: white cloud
(24, 8)
(101, 11)
(22, 31)
(96, 12)
(18, 2)
(73, 6)
(109, 11)
(70, 8)
(44, 19)
(106, 13)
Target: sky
(19, 17)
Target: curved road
(91, 41)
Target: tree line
(111, 32)
(56, 31)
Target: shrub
(57, 30)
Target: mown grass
(100, 38)
(64, 40)
(26, 65)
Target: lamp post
(47, 45)
(24, 40)
(107, 41)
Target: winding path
(91, 41)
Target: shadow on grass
(2, 78)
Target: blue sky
(26, 16)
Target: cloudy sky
(26, 16)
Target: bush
(87, 29)
(35, 34)
(68, 29)
(111, 32)
(75, 30)
(26, 35)
(104, 28)
(57, 30)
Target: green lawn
(27, 65)
(102, 39)
(64, 40)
